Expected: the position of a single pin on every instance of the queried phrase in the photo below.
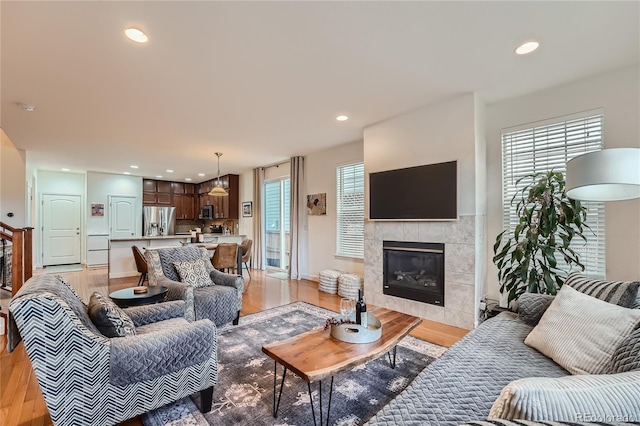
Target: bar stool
(141, 264)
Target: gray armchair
(221, 303)
(90, 379)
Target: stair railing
(21, 255)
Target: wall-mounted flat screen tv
(428, 192)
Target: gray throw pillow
(531, 307)
(193, 273)
(626, 357)
(621, 293)
(109, 318)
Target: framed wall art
(97, 209)
(247, 209)
(317, 204)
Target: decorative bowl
(355, 333)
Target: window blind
(272, 206)
(350, 210)
(548, 147)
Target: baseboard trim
(123, 274)
(315, 278)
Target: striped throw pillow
(627, 356)
(570, 398)
(581, 333)
(621, 293)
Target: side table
(126, 297)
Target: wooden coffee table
(315, 355)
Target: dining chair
(225, 258)
(245, 246)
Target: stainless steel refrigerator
(158, 221)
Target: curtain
(298, 217)
(258, 188)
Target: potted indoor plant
(527, 259)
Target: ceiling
(263, 81)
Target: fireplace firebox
(414, 271)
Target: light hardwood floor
(21, 401)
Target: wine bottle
(358, 308)
(361, 310)
(363, 313)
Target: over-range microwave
(206, 213)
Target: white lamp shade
(607, 175)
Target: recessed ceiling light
(27, 107)
(65, 170)
(126, 173)
(342, 118)
(169, 171)
(201, 174)
(136, 35)
(187, 179)
(527, 47)
(133, 167)
(158, 176)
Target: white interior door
(124, 217)
(61, 221)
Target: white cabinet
(97, 250)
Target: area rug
(57, 269)
(244, 393)
(279, 275)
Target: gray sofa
(462, 385)
(88, 378)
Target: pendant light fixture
(218, 190)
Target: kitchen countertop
(173, 237)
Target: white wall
(433, 134)
(320, 169)
(245, 224)
(481, 200)
(619, 94)
(12, 183)
(60, 183)
(437, 133)
(99, 187)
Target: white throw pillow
(580, 332)
(585, 398)
(193, 273)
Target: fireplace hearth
(414, 271)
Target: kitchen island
(122, 263)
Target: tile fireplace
(414, 271)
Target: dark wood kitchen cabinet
(223, 207)
(178, 194)
(184, 200)
(156, 193)
(185, 206)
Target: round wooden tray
(140, 290)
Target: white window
(541, 147)
(350, 210)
